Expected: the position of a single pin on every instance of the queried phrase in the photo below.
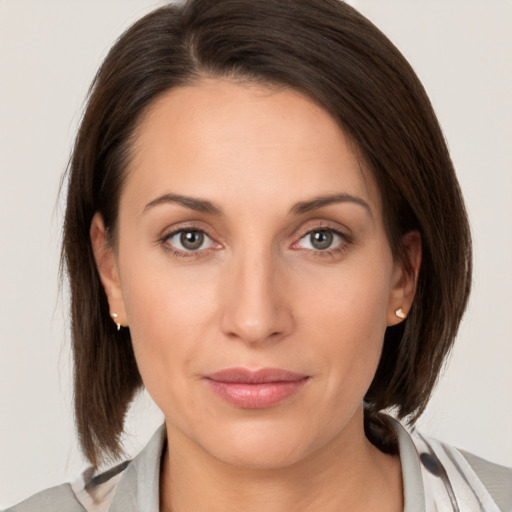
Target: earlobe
(405, 280)
(106, 264)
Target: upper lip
(263, 375)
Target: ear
(405, 279)
(106, 264)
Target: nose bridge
(254, 306)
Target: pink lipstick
(255, 389)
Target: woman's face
(253, 270)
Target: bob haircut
(330, 53)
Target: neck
(348, 473)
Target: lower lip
(256, 396)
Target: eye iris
(192, 240)
(321, 239)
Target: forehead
(253, 140)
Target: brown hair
(331, 53)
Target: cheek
(161, 298)
(169, 314)
(346, 315)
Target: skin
(257, 293)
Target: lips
(259, 389)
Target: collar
(139, 487)
(414, 492)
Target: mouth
(258, 389)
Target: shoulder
(129, 486)
(466, 477)
(496, 478)
(61, 498)
(87, 493)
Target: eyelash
(341, 248)
(164, 241)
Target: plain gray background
(49, 51)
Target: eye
(189, 240)
(321, 240)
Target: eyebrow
(321, 201)
(205, 206)
(199, 205)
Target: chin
(259, 455)
(259, 445)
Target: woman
(264, 228)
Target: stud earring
(400, 313)
(114, 317)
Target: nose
(254, 306)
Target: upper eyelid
(174, 232)
(322, 224)
(345, 238)
(185, 226)
(324, 228)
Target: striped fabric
(449, 481)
